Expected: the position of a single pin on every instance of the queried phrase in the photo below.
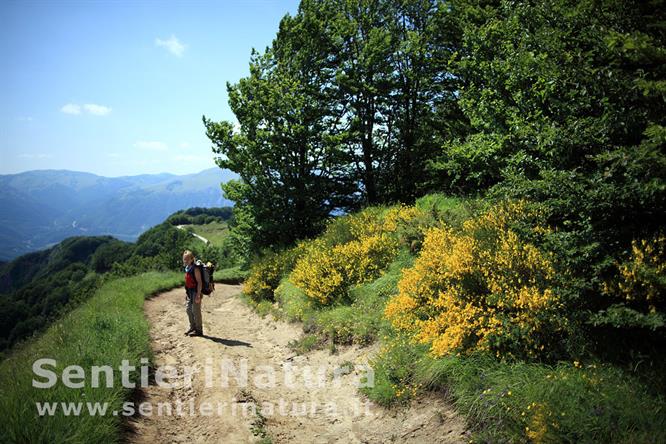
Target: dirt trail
(335, 413)
(201, 238)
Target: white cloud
(71, 108)
(90, 108)
(151, 145)
(35, 156)
(97, 110)
(184, 145)
(113, 155)
(172, 44)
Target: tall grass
(505, 401)
(567, 402)
(105, 330)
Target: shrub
(641, 282)
(266, 273)
(325, 273)
(354, 249)
(264, 277)
(629, 323)
(481, 288)
(353, 227)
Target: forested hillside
(39, 287)
(528, 279)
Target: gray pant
(194, 310)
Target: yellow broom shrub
(479, 288)
(266, 273)
(641, 280)
(325, 273)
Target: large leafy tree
(424, 107)
(550, 85)
(346, 107)
(392, 86)
(567, 101)
(292, 172)
(362, 85)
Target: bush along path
(246, 384)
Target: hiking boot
(196, 333)
(191, 330)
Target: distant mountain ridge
(40, 208)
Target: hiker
(193, 287)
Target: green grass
(264, 308)
(451, 210)
(293, 302)
(363, 321)
(215, 232)
(106, 329)
(394, 369)
(439, 202)
(358, 321)
(566, 402)
(305, 344)
(233, 275)
(522, 402)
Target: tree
(567, 103)
(393, 91)
(293, 172)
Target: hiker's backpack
(207, 270)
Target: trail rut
(290, 411)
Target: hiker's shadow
(228, 342)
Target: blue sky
(119, 87)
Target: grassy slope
(567, 402)
(215, 232)
(106, 329)
(503, 401)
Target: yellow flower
(325, 272)
(474, 288)
(640, 278)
